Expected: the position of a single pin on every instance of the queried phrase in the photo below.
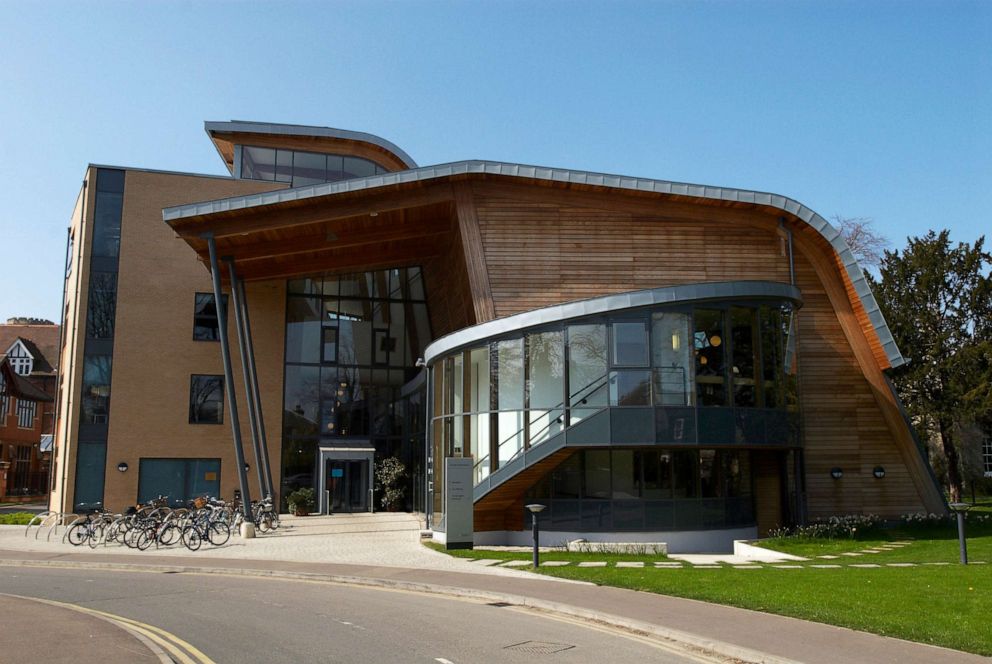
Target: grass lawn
(946, 605)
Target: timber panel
(503, 507)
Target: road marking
(157, 635)
(443, 660)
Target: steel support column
(232, 399)
(263, 442)
(239, 320)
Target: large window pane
(478, 388)
(587, 379)
(107, 223)
(626, 475)
(205, 326)
(309, 168)
(710, 349)
(102, 305)
(744, 349)
(258, 163)
(597, 474)
(303, 325)
(301, 398)
(91, 463)
(96, 389)
(206, 399)
(670, 357)
(510, 370)
(630, 388)
(546, 370)
(630, 344)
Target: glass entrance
(347, 483)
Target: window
(3, 401)
(181, 480)
(206, 399)
(630, 344)
(102, 305)
(302, 168)
(205, 317)
(96, 389)
(25, 413)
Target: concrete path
(748, 636)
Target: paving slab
(592, 563)
(629, 563)
(826, 566)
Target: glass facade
(647, 489)
(352, 344)
(101, 309)
(713, 376)
(180, 480)
(301, 168)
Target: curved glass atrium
(687, 389)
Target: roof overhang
(224, 135)
(257, 213)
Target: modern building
(28, 367)
(649, 359)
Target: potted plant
(302, 501)
(389, 476)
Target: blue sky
(873, 109)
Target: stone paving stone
(706, 567)
(826, 566)
(624, 563)
(936, 563)
(870, 551)
(864, 565)
(900, 564)
(555, 563)
(592, 563)
(852, 553)
(976, 562)
(828, 557)
(747, 567)
(486, 562)
(518, 563)
(787, 566)
(669, 565)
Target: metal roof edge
(808, 216)
(253, 127)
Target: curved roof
(568, 176)
(248, 127)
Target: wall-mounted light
(247, 467)
(715, 340)
(122, 466)
(836, 473)
(676, 341)
(878, 472)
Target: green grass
(16, 519)
(946, 605)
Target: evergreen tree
(937, 299)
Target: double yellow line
(175, 648)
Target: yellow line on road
(167, 640)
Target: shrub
(389, 476)
(850, 526)
(16, 519)
(302, 501)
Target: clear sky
(868, 109)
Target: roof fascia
(505, 169)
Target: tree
(937, 300)
(859, 233)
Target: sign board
(458, 502)
(337, 472)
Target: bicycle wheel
(96, 534)
(168, 534)
(78, 534)
(145, 539)
(191, 538)
(218, 533)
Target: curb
(696, 644)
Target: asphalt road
(245, 620)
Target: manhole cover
(539, 647)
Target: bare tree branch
(866, 244)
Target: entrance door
(347, 483)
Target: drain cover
(539, 647)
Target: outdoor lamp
(535, 509)
(247, 467)
(836, 473)
(878, 472)
(960, 509)
(122, 466)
